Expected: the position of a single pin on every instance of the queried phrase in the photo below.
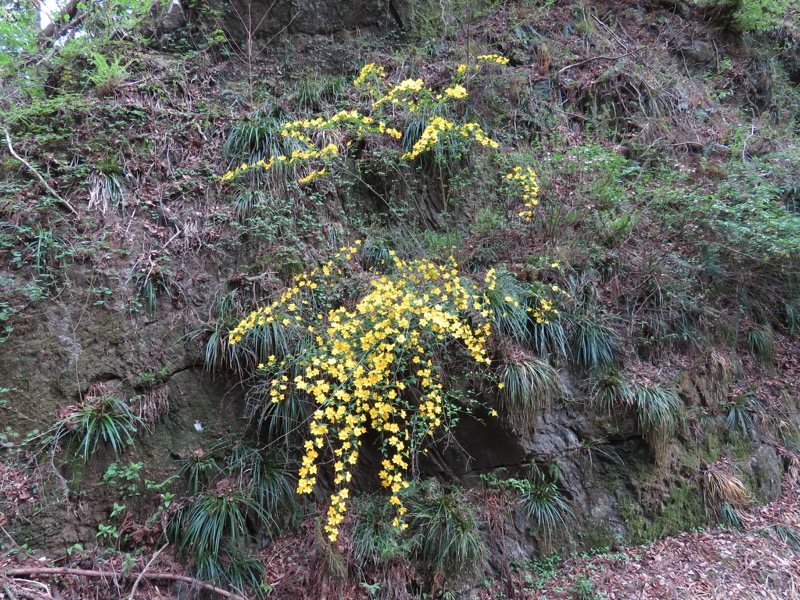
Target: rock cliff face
(265, 18)
(98, 322)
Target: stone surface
(265, 18)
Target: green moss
(684, 510)
(638, 530)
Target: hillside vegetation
(419, 310)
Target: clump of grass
(374, 539)
(213, 529)
(257, 137)
(315, 90)
(724, 493)
(280, 421)
(200, 469)
(761, 342)
(99, 418)
(267, 476)
(740, 414)
(376, 258)
(529, 387)
(543, 502)
(788, 534)
(593, 341)
(611, 393)
(659, 412)
(792, 314)
(549, 337)
(445, 537)
(508, 304)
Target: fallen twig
(41, 179)
(56, 571)
(583, 62)
(147, 566)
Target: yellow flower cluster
(327, 152)
(495, 58)
(396, 95)
(529, 182)
(543, 312)
(369, 71)
(456, 91)
(371, 367)
(439, 129)
(360, 123)
(410, 93)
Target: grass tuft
(100, 417)
(724, 494)
(788, 534)
(268, 477)
(446, 541)
(543, 502)
(212, 529)
(549, 337)
(593, 341)
(529, 387)
(611, 393)
(659, 413)
(509, 309)
(761, 342)
(740, 414)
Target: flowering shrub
(380, 111)
(373, 367)
(528, 181)
(375, 364)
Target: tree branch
(41, 179)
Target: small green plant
(791, 312)
(750, 15)
(740, 412)
(213, 529)
(549, 337)
(266, 475)
(508, 302)
(612, 392)
(374, 540)
(108, 75)
(788, 534)
(150, 282)
(583, 587)
(593, 341)
(200, 469)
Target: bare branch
(41, 179)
